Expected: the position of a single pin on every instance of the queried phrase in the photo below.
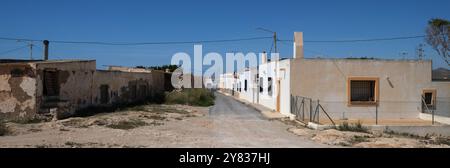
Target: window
(269, 84)
(261, 81)
(429, 97)
(363, 90)
(245, 85)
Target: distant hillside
(441, 74)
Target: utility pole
(31, 50)
(275, 39)
(420, 52)
(30, 44)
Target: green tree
(438, 32)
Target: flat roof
(369, 59)
(7, 61)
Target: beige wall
(120, 84)
(326, 80)
(442, 97)
(22, 94)
(17, 90)
(75, 80)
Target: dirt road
(236, 125)
(227, 124)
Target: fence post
(432, 116)
(310, 111)
(318, 111)
(303, 109)
(376, 114)
(292, 104)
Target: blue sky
(170, 20)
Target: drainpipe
(46, 42)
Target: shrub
(126, 125)
(3, 129)
(358, 139)
(194, 97)
(30, 120)
(358, 127)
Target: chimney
(46, 42)
(264, 57)
(298, 45)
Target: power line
(143, 43)
(211, 41)
(360, 40)
(12, 50)
(18, 39)
(309, 50)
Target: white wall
(249, 94)
(278, 71)
(284, 75)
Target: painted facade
(394, 89)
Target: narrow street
(236, 125)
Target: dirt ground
(186, 126)
(142, 126)
(159, 126)
(371, 139)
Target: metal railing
(307, 110)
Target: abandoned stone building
(61, 87)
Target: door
(104, 94)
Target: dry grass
(127, 125)
(357, 127)
(3, 129)
(193, 97)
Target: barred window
(429, 97)
(363, 90)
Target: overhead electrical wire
(12, 50)
(360, 40)
(142, 43)
(210, 41)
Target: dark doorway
(50, 83)
(104, 94)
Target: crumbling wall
(126, 87)
(158, 81)
(75, 79)
(17, 90)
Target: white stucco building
(347, 88)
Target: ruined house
(61, 87)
